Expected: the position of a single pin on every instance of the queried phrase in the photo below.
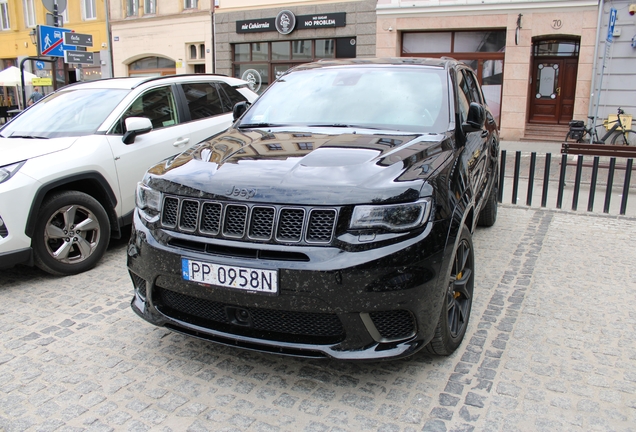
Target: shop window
(426, 42)
(480, 41)
(280, 51)
(325, 48)
(301, 50)
(150, 7)
(88, 10)
(260, 51)
(5, 23)
(260, 63)
(29, 13)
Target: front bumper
(378, 303)
(16, 197)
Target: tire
(458, 299)
(488, 213)
(617, 139)
(60, 253)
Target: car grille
(272, 324)
(266, 223)
(397, 324)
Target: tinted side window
(232, 97)
(157, 104)
(203, 100)
(472, 87)
(463, 95)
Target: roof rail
(155, 78)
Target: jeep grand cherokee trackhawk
(333, 219)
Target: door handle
(181, 141)
(558, 90)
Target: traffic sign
(83, 57)
(611, 24)
(49, 5)
(50, 41)
(78, 39)
(42, 81)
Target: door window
(157, 104)
(203, 100)
(231, 97)
(547, 78)
(463, 95)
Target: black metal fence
(586, 176)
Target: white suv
(69, 165)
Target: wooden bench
(621, 151)
(598, 150)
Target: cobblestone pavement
(551, 346)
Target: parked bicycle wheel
(626, 138)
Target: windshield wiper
(257, 125)
(342, 125)
(27, 136)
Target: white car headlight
(393, 217)
(147, 198)
(7, 171)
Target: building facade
(18, 22)
(534, 59)
(259, 43)
(238, 38)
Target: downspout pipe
(595, 63)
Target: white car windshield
(73, 112)
(405, 99)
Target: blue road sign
(39, 65)
(610, 26)
(51, 41)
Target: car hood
(14, 150)
(317, 166)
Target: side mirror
(239, 109)
(136, 126)
(476, 118)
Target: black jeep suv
(333, 219)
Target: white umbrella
(10, 77)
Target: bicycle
(581, 134)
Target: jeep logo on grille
(241, 192)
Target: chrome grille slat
(249, 222)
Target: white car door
(168, 137)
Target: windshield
(405, 99)
(67, 113)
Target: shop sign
(285, 22)
(338, 19)
(256, 25)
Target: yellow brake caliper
(458, 277)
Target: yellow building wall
(16, 42)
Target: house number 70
(557, 24)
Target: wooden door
(552, 90)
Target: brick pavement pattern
(551, 346)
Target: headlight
(393, 217)
(7, 171)
(147, 198)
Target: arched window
(202, 51)
(193, 52)
(152, 66)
